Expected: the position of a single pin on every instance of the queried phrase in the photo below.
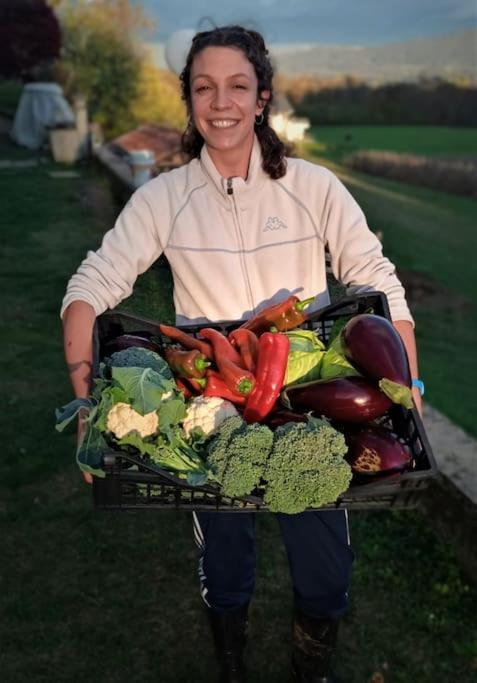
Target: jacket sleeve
(107, 276)
(356, 253)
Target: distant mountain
(448, 55)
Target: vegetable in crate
(375, 348)
(121, 397)
(305, 357)
(348, 399)
(126, 341)
(207, 413)
(376, 450)
(284, 316)
(271, 367)
(186, 363)
(237, 454)
(247, 343)
(334, 362)
(216, 386)
(228, 360)
(187, 340)
(306, 467)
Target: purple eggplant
(347, 399)
(376, 450)
(374, 347)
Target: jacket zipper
(230, 193)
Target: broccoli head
(306, 467)
(237, 454)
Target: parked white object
(41, 106)
(142, 162)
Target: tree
(100, 58)
(30, 37)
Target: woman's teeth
(223, 124)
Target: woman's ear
(262, 101)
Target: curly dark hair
(253, 46)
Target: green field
(335, 142)
(113, 598)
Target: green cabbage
(305, 356)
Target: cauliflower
(207, 412)
(122, 419)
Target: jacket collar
(245, 191)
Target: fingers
(88, 477)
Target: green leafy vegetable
(305, 356)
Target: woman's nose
(221, 99)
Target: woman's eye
(241, 87)
(201, 88)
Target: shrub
(30, 37)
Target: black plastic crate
(133, 483)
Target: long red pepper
(217, 387)
(284, 316)
(221, 346)
(247, 343)
(186, 363)
(271, 368)
(187, 340)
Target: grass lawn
(10, 92)
(113, 598)
(335, 142)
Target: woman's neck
(233, 163)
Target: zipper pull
(230, 189)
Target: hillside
(449, 55)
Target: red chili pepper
(217, 387)
(247, 343)
(237, 379)
(271, 368)
(186, 363)
(284, 316)
(221, 346)
(187, 340)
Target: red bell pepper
(271, 368)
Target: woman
(241, 226)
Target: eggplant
(126, 341)
(376, 450)
(374, 347)
(347, 399)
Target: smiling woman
(242, 227)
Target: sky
(358, 22)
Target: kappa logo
(274, 223)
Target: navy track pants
(318, 550)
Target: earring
(259, 120)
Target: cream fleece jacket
(235, 246)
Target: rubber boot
(229, 630)
(313, 643)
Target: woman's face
(224, 98)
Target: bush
(458, 176)
(30, 37)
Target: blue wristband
(419, 384)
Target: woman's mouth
(223, 123)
